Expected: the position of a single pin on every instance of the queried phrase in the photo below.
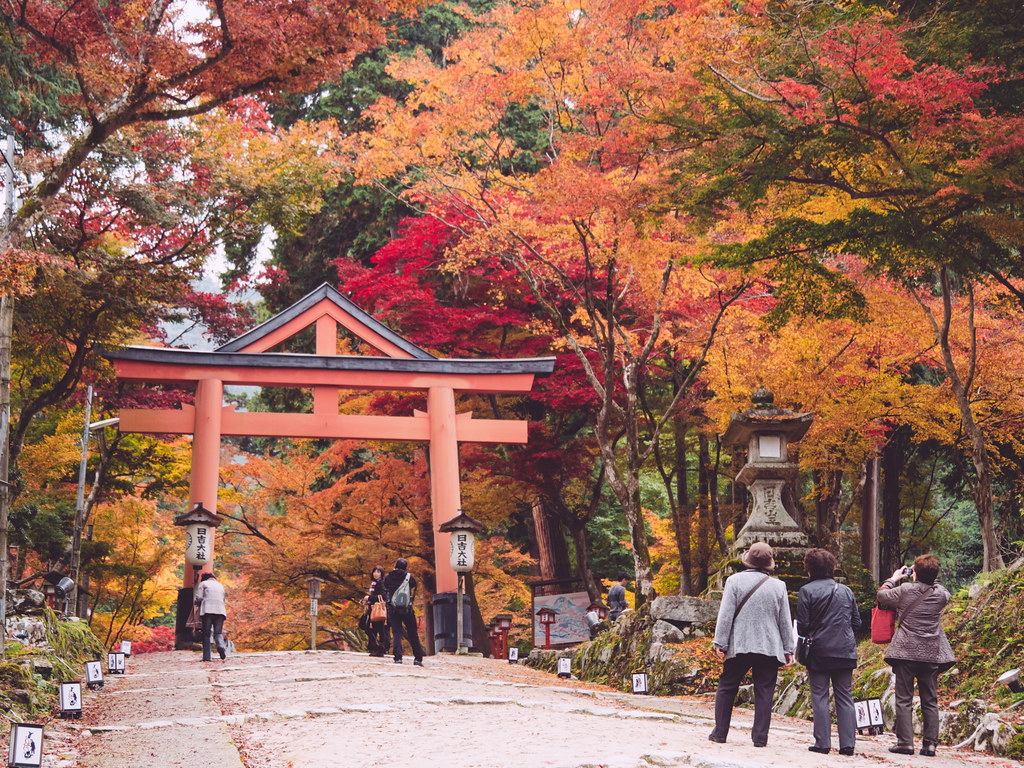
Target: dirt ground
(330, 709)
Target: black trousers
(213, 621)
(377, 637)
(765, 671)
(403, 622)
(927, 676)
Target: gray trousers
(927, 676)
(842, 692)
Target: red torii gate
(403, 366)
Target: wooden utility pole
(76, 535)
(870, 541)
(6, 327)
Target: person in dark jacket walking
(403, 620)
(617, 597)
(827, 614)
(918, 650)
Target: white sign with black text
(565, 667)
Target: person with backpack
(400, 586)
(753, 633)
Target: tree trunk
(893, 461)
(869, 521)
(828, 488)
(682, 522)
(716, 512)
(703, 514)
(961, 386)
(579, 536)
(552, 554)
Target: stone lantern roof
(765, 417)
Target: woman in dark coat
(919, 650)
(826, 612)
(377, 634)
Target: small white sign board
(639, 682)
(513, 655)
(565, 667)
(71, 697)
(126, 648)
(26, 746)
(875, 711)
(93, 672)
(115, 663)
(863, 716)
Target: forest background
(681, 201)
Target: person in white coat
(209, 598)
(754, 632)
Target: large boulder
(683, 611)
(26, 602)
(663, 632)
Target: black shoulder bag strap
(744, 602)
(813, 625)
(913, 605)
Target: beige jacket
(919, 634)
(209, 596)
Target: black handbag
(805, 645)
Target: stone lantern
(463, 529)
(767, 432)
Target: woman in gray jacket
(826, 613)
(919, 650)
(753, 632)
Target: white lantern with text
(462, 551)
(198, 543)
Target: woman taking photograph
(827, 615)
(919, 650)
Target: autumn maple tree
(581, 218)
(152, 62)
(483, 310)
(831, 134)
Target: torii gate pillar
(205, 456)
(445, 493)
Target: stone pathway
(329, 709)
